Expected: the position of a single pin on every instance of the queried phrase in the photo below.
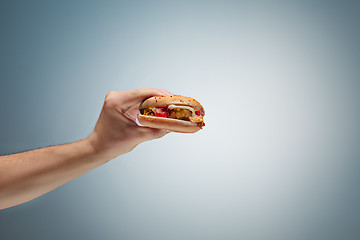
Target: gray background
(278, 159)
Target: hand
(116, 131)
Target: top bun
(160, 101)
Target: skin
(27, 175)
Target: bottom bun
(171, 124)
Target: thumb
(148, 133)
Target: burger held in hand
(175, 113)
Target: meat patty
(147, 112)
(179, 113)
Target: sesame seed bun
(172, 124)
(160, 101)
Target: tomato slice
(161, 112)
(197, 112)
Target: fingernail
(167, 131)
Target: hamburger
(175, 113)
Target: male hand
(116, 131)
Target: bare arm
(25, 176)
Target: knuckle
(110, 101)
(109, 94)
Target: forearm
(27, 175)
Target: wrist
(96, 149)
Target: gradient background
(280, 81)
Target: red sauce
(161, 112)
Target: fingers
(135, 96)
(132, 113)
(147, 133)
